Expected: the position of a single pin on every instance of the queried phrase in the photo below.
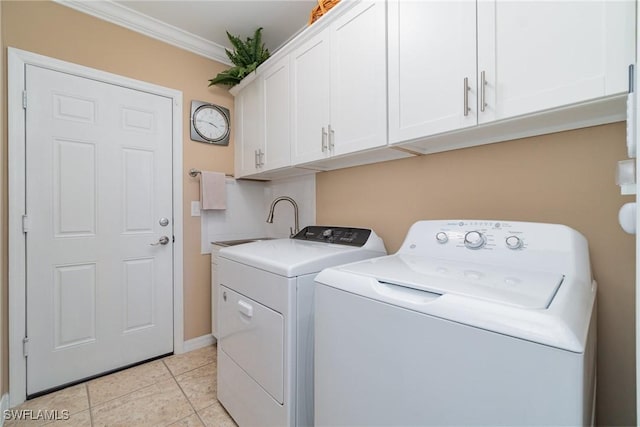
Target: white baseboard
(196, 343)
(4, 405)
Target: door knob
(162, 241)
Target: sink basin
(241, 241)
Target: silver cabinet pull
(466, 96)
(162, 241)
(261, 157)
(332, 137)
(324, 140)
(483, 83)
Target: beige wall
(49, 29)
(565, 178)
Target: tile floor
(175, 391)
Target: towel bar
(195, 172)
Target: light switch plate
(195, 208)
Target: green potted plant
(246, 57)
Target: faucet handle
(291, 232)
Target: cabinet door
(538, 55)
(276, 114)
(249, 134)
(432, 50)
(358, 79)
(310, 89)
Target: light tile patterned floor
(177, 391)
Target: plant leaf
(246, 57)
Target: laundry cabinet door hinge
(25, 223)
(25, 346)
(24, 99)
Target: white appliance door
(252, 335)
(99, 294)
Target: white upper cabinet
(276, 152)
(432, 60)
(263, 120)
(310, 69)
(358, 79)
(531, 56)
(338, 92)
(432, 75)
(249, 135)
(538, 55)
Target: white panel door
(310, 65)
(99, 294)
(358, 79)
(277, 116)
(249, 135)
(538, 55)
(432, 50)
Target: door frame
(17, 60)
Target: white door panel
(432, 50)
(277, 117)
(310, 68)
(249, 129)
(99, 178)
(247, 329)
(358, 79)
(539, 55)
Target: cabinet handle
(324, 140)
(466, 96)
(261, 156)
(332, 138)
(483, 83)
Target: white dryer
(469, 323)
(265, 321)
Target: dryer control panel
(337, 235)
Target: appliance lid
(292, 257)
(504, 285)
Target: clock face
(210, 123)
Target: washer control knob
(513, 242)
(474, 240)
(442, 237)
(327, 233)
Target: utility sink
(241, 241)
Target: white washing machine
(469, 323)
(265, 321)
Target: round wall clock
(209, 123)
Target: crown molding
(115, 13)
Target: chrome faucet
(293, 231)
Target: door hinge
(25, 223)
(24, 99)
(25, 346)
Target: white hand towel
(213, 190)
